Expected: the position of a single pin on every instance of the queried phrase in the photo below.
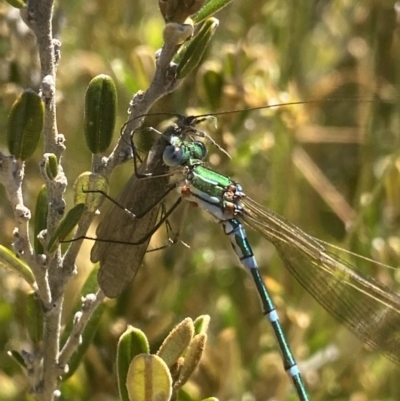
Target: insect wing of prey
(120, 262)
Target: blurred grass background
(339, 53)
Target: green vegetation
(331, 166)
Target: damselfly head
(181, 152)
(183, 127)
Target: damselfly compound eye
(173, 156)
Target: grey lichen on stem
(89, 305)
(52, 270)
(38, 16)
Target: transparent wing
(365, 306)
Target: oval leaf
(192, 358)
(51, 165)
(201, 324)
(34, 317)
(176, 342)
(148, 379)
(25, 125)
(131, 343)
(100, 113)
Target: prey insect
(126, 228)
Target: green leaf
(100, 113)
(66, 225)
(25, 125)
(41, 211)
(9, 260)
(34, 317)
(51, 165)
(191, 53)
(149, 379)
(131, 343)
(192, 358)
(16, 3)
(209, 9)
(201, 324)
(176, 342)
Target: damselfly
(365, 306)
(278, 231)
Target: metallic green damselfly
(365, 306)
(347, 294)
